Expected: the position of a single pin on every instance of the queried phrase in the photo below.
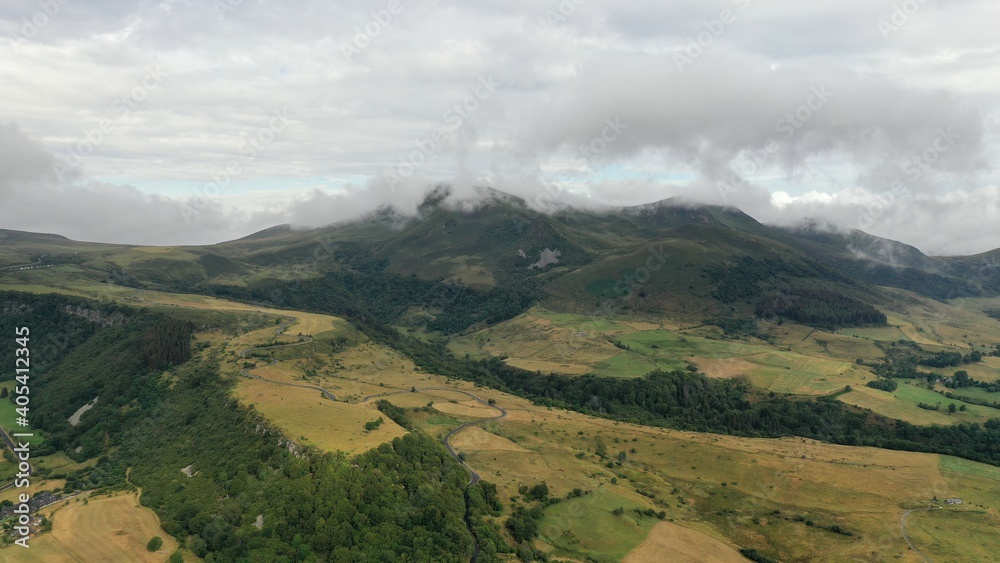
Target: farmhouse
(953, 501)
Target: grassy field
(309, 419)
(684, 546)
(585, 526)
(968, 533)
(902, 404)
(719, 492)
(113, 528)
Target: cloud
(911, 111)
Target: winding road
(902, 528)
(306, 340)
(474, 477)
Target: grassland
(953, 531)
(586, 526)
(112, 528)
(309, 419)
(719, 492)
(863, 490)
(684, 545)
(902, 404)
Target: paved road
(307, 340)
(902, 528)
(447, 439)
(473, 476)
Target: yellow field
(309, 419)
(106, 529)
(684, 546)
(865, 490)
(952, 531)
(475, 439)
(536, 343)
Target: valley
(717, 407)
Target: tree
(538, 492)
(600, 448)
(154, 544)
(952, 407)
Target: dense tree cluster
(883, 385)
(819, 307)
(83, 350)
(749, 277)
(251, 496)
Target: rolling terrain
(397, 334)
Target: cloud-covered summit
(176, 122)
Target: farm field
(902, 404)
(685, 545)
(112, 528)
(814, 480)
(309, 419)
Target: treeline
(748, 278)
(447, 307)
(819, 307)
(682, 400)
(254, 496)
(82, 350)
(946, 359)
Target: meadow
(110, 528)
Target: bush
(154, 544)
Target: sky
(195, 122)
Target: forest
(254, 496)
(819, 308)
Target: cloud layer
(177, 122)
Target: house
(953, 501)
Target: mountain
(708, 260)
(482, 381)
